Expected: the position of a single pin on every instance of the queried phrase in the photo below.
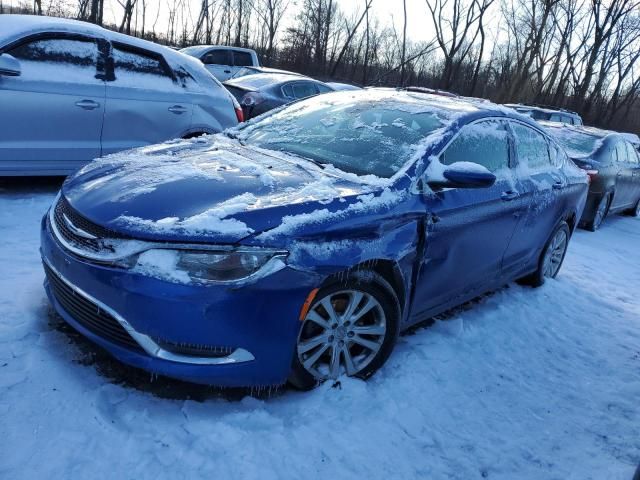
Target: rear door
(471, 228)
(634, 158)
(145, 104)
(219, 61)
(624, 189)
(545, 190)
(51, 115)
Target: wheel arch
(388, 270)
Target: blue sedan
(297, 246)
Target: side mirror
(464, 175)
(9, 66)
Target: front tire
(551, 258)
(351, 328)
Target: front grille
(88, 314)
(62, 209)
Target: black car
(613, 164)
(262, 92)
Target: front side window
(485, 143)
(58, 59)
(242, 59)
(375, 137)
(217, 57)
(532, 147)
(139, 70)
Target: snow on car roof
(13, 27)
(260, 80)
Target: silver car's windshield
(365, 138)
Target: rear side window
(58, 59)
(139, 70)
(485, 143)
(621, 152)
(323, 88)
(242, 59)
(217, 57)
(632, 155)
(532, 147)
(304, 90)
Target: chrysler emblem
(78, 231)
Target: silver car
(71, 91)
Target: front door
(52, 113)
(471, 228)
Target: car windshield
(361, 137)
(576, 143)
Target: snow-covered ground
(524, 384)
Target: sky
(389, 12)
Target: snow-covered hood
(212, 189)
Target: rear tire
(601, 213)
(551, 258)
(354, 334)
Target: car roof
(262, 69)
(542, 108)
(461, 109)
(202, 48)
(265, 80)
(594, 131)
(13, 27)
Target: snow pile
(523, 384)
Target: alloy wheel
(555, 253)
(341, 333)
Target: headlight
(210, 266)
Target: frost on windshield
(376, 135)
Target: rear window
(576, 143)
(217, 57)
(242, 59)
(257, 81)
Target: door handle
(87, 104)
(227, 71)
(177, 109)
(558, 185)
(509, 195)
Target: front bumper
(255, 326)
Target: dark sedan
(613, 164)
(299, 246)
(262, 92)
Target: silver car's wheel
(555, 253)
(341, 333)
